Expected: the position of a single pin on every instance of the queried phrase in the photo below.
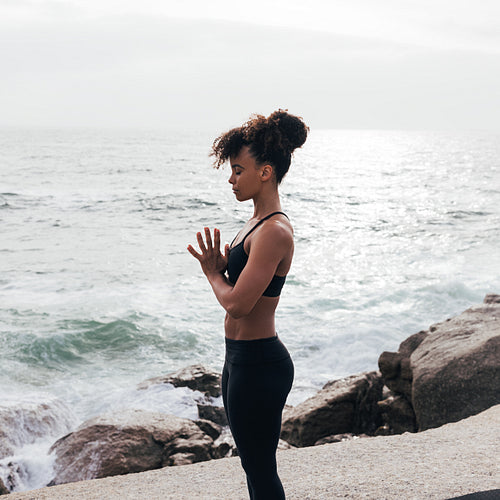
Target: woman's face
(245, 175)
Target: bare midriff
(258, 324)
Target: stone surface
(215, 414)
(224, 445)
(492, 298)
(456, 368)
(396, 368)
(342, 406)
(397, 414)
(13, 475)
(128, 441)
(196, 377)
(210, 428)
(448, 372)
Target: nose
(231, 179)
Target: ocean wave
(77, 342)
(4, 202)
(28, 417)
(29, 423)
(464, 214)
(16, 201)
(169, 202)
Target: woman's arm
(268, 248)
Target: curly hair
(270, 140)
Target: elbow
(237, 311)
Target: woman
(247, 280)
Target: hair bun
(272, 140)
(292, 128)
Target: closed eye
(237, 169)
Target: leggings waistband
(256, 351)
(250, 343)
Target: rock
(181, 459)
(492, 298)
(13, 476)
(216, 414)
(196, 377)
(210, 428)
(225, 445)
(395, 366)
(456, 368)
(224, 449)
(397, 415)
(369, 391)
(3, 489)
(128, 441)
(389, 364)
(384, 430)
(196, 448)
(447, 373)
(342, 406)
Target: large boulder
(196, 377)
(342, 406)
(449, 372)
(456, 368)
(128, 441)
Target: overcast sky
(424, 64)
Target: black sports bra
(238, 259)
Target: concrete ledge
(453, 460)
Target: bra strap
(261, 221)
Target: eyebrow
(237, 165)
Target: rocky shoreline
(441, 375)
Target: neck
(266, 205)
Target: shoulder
(277, 230)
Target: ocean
(394, 231)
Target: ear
(266, 173)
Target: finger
(208, 237)
(193, 252)
(201, 243)
(216, 239)
(226, 250)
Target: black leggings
(256, 380)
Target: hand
(211, 258)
